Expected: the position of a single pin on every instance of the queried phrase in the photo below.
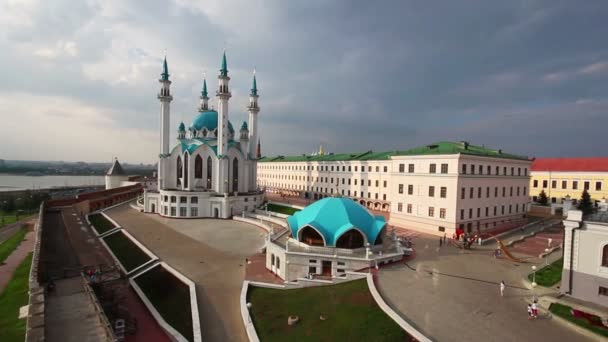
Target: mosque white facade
(208, 173)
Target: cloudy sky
(79, 78)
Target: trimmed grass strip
(15, 295)
(9, 246)
(350, 313)
(129, 254)
(550, 275)
(170, 297)
(100, 223)
(564, 312)
(281, 209)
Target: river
(20, 182)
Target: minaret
(165, 120)
(223, 95)
(204, 105)
(258, 154)
(253, 110)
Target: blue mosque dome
(340, 222)
(208, 119)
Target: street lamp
(534, 276)
(546, 256)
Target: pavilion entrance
(326, 268)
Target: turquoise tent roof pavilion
(334, 216)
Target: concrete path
(211, 253)
(14, 260)
(452, 294)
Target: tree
(585, 204)
(542, 198)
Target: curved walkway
(14, 260)
(211, 253)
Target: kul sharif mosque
(208, 172)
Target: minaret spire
(204, 104)
(224, 69)
(165, 75)
(254, 87)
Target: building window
(431, 211)
(517, 191)
(377, 168)
(553, 184)
(278, 263)
(442, 213)
(598, 186)
(441, 229)
(410, 168)
(504, 191)
(494, 210)
(377, 183)
(462, 214)
(564, 184)
(173, 211)
(194, 212)
(544, 184)
(431, 191)
(502, 209)
(194, 200)
(488, 192)
(356, 168)
(400, 188)
(478, 212)
(495, 191)
(602, 291)
(399, 207)
(471, 190)
(471, 213)
(487, 211)
(444, 191)
(433, 168)
(182, 211)
(479, 192)
(312, 269)
(464, 169)
(512, 171)
(384, 197)
(386, 169)
(173, 199)
(535, 183)
(462, 193)
(384, 184)
(410, 189)
(605, 256)
(497, 170)
(586, 186)
(510, 208)
(409, 209)
(511, 191)
(481, 169)
(574, 185)
(504, 171)
(183, 199)
(472, 169)
(524, 192)
(489, 170)
(444, 168)
(401, 168)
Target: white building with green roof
(436, 188)
(208, 172)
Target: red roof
(571, 164)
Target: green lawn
(129, 254)
(15, 295)
(550, 275)
(281, 209)
(101, 223)
(350, 310)
(563, 311)
(8, 246)
(170, 297)
(7, 219)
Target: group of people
(533, 310)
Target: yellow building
(561, 177)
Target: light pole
(546, 256)
(534, 276)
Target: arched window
(209, 171)
(605, 256)
(179, 170)
(278, 263)
(272, 260)
(311, 237)
(351, 239)
(198, 167)
(186, 169)
(235, 175)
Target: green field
(100, 223)
(563, 311)
(550, 275)
(8, 246)
(170, 297)
(15, 295)
(7, 219)
(350, 310)
(127, 252)
(281, 209)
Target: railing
(103, 319)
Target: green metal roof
(224, 69)
(204, 92)
(254, 88)
(165, 75)
(438, 148)
(244, 125)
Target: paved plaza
(211, 253)
(452, 294)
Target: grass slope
(281, 209)
(6, 220)
(12, 329)
(129, 254)
(550, 275)
(170, 297)
(8, 246)
(100, 223)
(563, 311)
(350, 310)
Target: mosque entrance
(216, 213)
(326, 268)
(153, 208)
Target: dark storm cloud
(351, 75)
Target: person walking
(529, 311)
(445, 235)
(440, 242)
(534, 309)
(502, 288)
(549, 242)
